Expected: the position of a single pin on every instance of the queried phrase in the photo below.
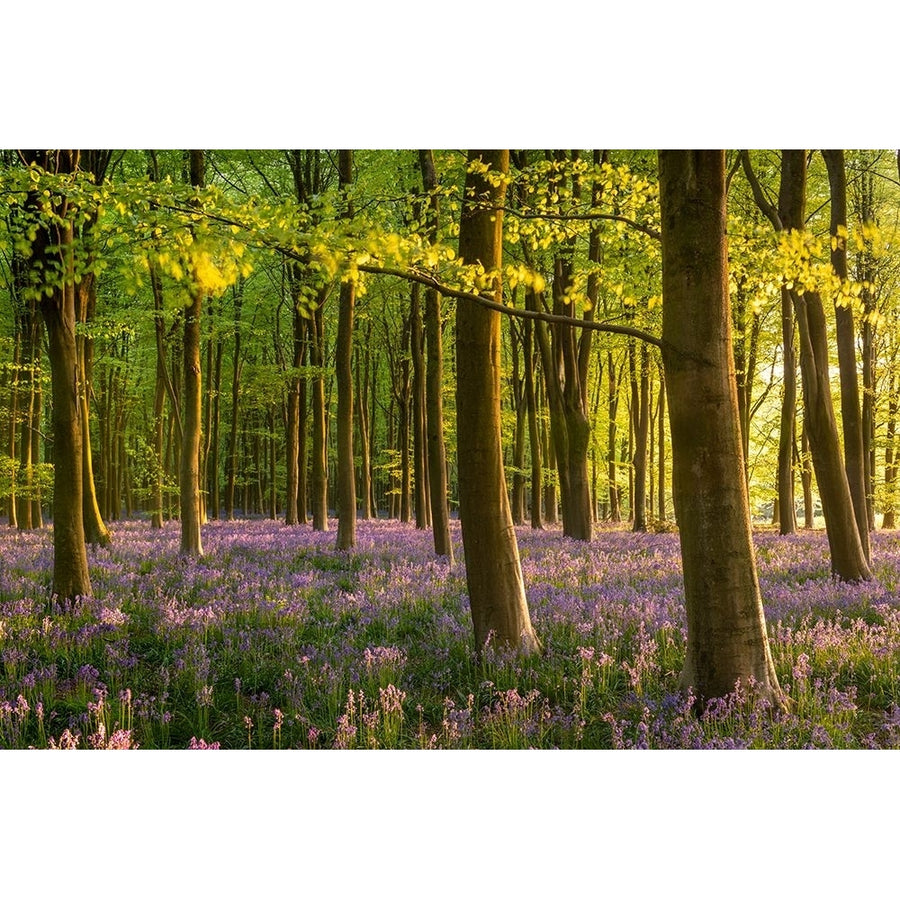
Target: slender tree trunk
(851, 416)
(346, 477)
(615, 511)
(661, 491)
(189, 480)
(517, 501)
(362, 430)
(237, 363)
(420, 457)
(727, 640)
(319, 435)
(534, 440)
(30, 367)
(640, 391)
(95, 530)
(403, 406)
(890, 465)
(213, 463)
(787, 216)
(292, 441)
(867, 276)
(12, 429)
(806, 480)
(493, 571)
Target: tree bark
(434, 379)
(346, 476)
(420, 457)
(319, 486)
(788, 215)
(727, 640)
(612, 406)
(95, 530)
(640, 407)
(851, 415)
(493, 571)
(52, 248)
(237, 364)
(534, 439)
(189, 479)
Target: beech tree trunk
(319, 485)
(95, 530)
(565, 356)
(787, 216)
(346, 476)
(189, 480)
(534, 439)
(640, 412)
(661, 490)
(71, 578)
(727, 640)
(420, 457)
(517, 499)
(890, 466)
(493, 570)
(364, 473)
(612, 406)
(434, 381)
(848, 560)
(851, 415)
(237, 364)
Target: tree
(434, 378)
(493, 571)
(851, 415)
(52, 278)
(191, 543)
(727, 640)
(346, 479)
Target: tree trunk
(727, 640)
(71, 578)
(890, 467)
(787, 216)
(364, 474)
(517, 500)
(851, 416)
(661, 490)
(493, 571)
(534, 440)
(403, 405)
(806, 480)
(640, 405)
(615, 510)
(319, 484)
(237, 363)
(95, 530)
(346, 476)
(292, 436)
(189, 480)
(848, 561)
(420, 457)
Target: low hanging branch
(432, 282)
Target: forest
(324, 449)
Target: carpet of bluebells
(276, 640)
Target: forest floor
(276, 640)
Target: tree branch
(430, 281)
(583, 217)
(766, 208)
